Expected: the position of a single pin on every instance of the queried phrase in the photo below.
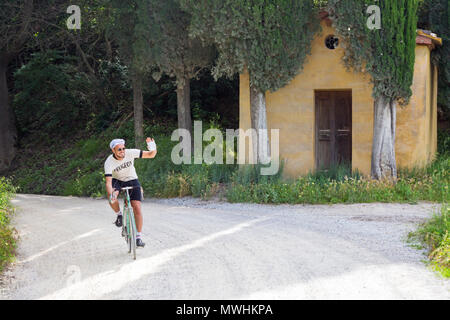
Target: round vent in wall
(332, 42)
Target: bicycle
(129, 224)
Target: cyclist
(119, 173)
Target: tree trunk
(138, 110)
(383, 146)
(184, 107)
(258, 114)
(109, 52)
(8, 131)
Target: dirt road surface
(69, 249)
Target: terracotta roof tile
(428, 38)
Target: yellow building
(325, 114)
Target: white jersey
(122, 170)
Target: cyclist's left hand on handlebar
(113, 196)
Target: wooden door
(333, 128)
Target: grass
(7, 238)
(434, 235)
(339, 185)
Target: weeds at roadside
(7, 233)
(434, 236)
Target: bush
(251, 174)
(53, 97)
(7, 239)
(88, 184)
(335, 186)
(434, 235)
(443, 142)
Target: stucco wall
(417, 122)
(292, 110)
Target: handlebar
(128, 188)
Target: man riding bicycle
(119, 173)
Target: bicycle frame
(130, 223)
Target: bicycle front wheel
(132, 232)
(128, 230)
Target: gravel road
(69, 249)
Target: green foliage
(434, 16)
(164, 26)
(77, 168)
(387, 54)
(127, 30)
(213, 101)
(443, 142)
(335, 186)
(90, 148)
(161, 178)
(434, 235)
(7, 237)
(88, 184)
(13, 16)
(270, 38)
(336, 172)
(114, 79)
(251, 174)
(53, 98)
(320, 3)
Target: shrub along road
(69, 249)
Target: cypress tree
(388, 54)
(434, 16)
(270, 38)
(15, 27)
(124, 28)
(165, 28)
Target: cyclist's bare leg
(136, 204)
(115, 204)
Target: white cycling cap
(115, 142)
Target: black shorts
(135, 193)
